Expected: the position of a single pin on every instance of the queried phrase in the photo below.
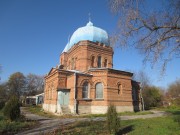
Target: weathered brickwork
(79, 57)
(86, 73)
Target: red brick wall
(82, 52)
(51, 85)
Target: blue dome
(88, 32)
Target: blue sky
(33, 33)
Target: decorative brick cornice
(111, 71)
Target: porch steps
(65, 110)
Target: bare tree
(144, 80)
(34, 84)
(154, 31)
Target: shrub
(176, 102)
(113, 122)
(152, 97)
(12, 109)
(2, 104)
(177, 119)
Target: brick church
(85, 81)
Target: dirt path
(49, 124)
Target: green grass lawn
(153, 126)
(8, 127)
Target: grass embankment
(12, 127)
(153, 126)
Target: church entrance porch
(63, 100)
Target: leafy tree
(154, 32)
(2, 104)
(12, 109)
(3, 92)
(3, 95)
(113, 122)
(174, 89)
(16, 84)
(174, 92)
(152, 96)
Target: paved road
(49, 124)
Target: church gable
(51, 71)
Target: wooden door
(63, 97)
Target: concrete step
(65, 110)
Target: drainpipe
(75, 93)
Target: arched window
(99, 90)
(61, 61)
(105, 63)
(49, 94)
(72, 63)
(85, 90)
(119, 88)
(92, 61)
(75, 60)
(52, 90)
(99, 62)
(69, 64)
